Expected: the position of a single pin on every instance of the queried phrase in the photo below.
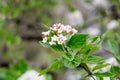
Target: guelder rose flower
(74, 31)
(31, 75)
(68, 28)
(46, 33)
(57, 34)
(54, 39)
(57, 28)
(61, 39)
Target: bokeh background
(23, 21)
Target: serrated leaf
(99, 66)
(94, 59)
(54, 66)
(95, 40)
(112, 46)
(77, 41)
(46, 45)
(58, 47)
(104, 74)
(71, 64)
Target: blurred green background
(22, 21)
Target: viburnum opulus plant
(76, 49)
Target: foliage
(76, 53)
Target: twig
(92, 77)
(66, 49)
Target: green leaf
(77, 41)
(58, 47)
(95, 40)
(71, 64)
(112, 46)
(69, 56)
(99, 66)
(99, 78)
(88, 49)
(117, 56)
(112, 78)
(104, 74)
(54, 66)
(115, 69)
(46, 45)
(94, 60)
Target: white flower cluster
(59, 32)
(31, 75)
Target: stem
(65, 49)
(92, 77)
(86, 68)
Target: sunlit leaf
(104, 74)
(77, 41)
(86, 49)
(95, 40)
(99, 66)
(94, 60)
(69, 56)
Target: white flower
(54, 29)
(61, 39)
(52, 43)
(45, 39)
(31, 75)
(60, 31)
(58, 28)
(54, 39)
(74, 31)
(68, 28)
(46, 33)
(112, 24)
